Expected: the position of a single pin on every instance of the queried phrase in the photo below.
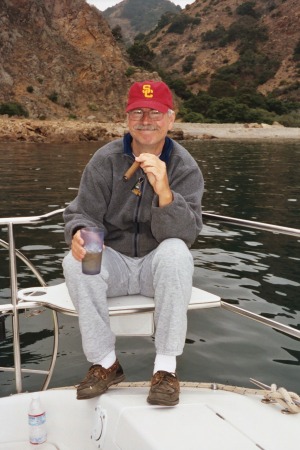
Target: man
(150, 222)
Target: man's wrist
(165, 199)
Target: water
(257, 270)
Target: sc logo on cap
(147, 91)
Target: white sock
(165, 362)
(108, 360)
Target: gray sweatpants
(165, 274)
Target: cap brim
(147, 104)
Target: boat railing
(265, 227)
(253, 224)
(15, 305)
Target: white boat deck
(121, 419)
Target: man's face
(148, 128)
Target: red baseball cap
(150, 94)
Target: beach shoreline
(69, 131)
(236, 131)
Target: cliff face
(58, 58)
(208, 35)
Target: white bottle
(37, 421)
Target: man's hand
(78, 251)
(156, 172)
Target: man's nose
(145, 117)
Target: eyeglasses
(138, 114)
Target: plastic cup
(93, 238)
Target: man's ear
(171, 121)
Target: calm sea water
(255, 269)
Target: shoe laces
(162, 375)
(97, 371)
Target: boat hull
(121, 419)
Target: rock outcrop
(68, 131)
(58, 58)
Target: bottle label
(38, 432)
(36, 420)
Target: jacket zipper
(137, 227)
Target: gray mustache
(145, 127)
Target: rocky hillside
(226, 36)
(138, 16)
(58, 58)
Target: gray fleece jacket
(135, 225)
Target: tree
(13, 109)
(199, 103)
(247, 9)
(221, 88)
(179, 87)
(141, 55)
(296, 56)
(227, 110)
(117, 33)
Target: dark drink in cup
(93, 243)
(91, 263)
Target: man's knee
(174, 251)
(70, 265)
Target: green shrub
(296, 55)
(247, 9)
(249, 96)
(227, 9)
(13, 109)
(130, 71)
(193, 117)
(260, 115)
(290, 120)
(29, 89)
(180, 88)
(53, 96)
(165, 19)
(221, 88)
(181, 22)
(228, 110)
(93, 107)
(139, 37)
(154, 44)
(277, 106)
(248, 32)
(117, 33)
(199, 103)
(252, 69)
(214, 35)
(188, 63)
(140, 55)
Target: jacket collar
(165, 154)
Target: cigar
(131, 171)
